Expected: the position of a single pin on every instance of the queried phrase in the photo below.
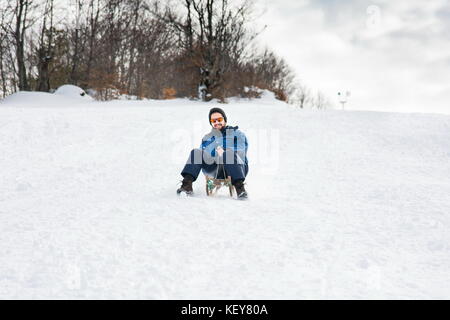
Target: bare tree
(75, 59)
(21, 10)
(5, 43)
(302, 96)
(321, 101)
(213, 34)
(45, 47)
(92, 28)
(267, 71)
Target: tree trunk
(19, 37)
(2, 73)
(73, 77)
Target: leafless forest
(143, 48)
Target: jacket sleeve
(240, 141)
(208, 145)
(240, 144)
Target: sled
(213, 185)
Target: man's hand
(220, 151)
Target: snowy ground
(342, 204)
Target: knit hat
(214, 110)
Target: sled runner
(217, 180)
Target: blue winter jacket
(228, 137)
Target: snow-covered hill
(342, 204)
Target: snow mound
(43, 99)
(26, 98)
(72, 91)
(268, 96)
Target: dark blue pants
(233, 165)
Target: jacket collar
(224, 129)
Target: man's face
(217, 121)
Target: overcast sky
(391, 55)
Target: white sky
(391, 55)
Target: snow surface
(342, 204)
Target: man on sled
(222, 157)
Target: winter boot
(240, 190)
(186, 185)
